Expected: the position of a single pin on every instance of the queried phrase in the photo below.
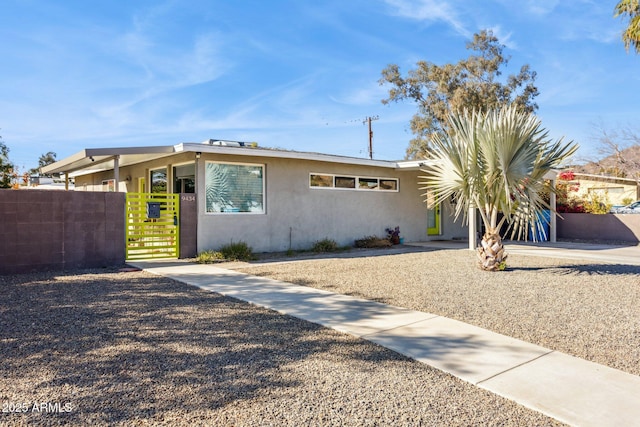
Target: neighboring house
(47, 183)
(274, 200)
(614, 190)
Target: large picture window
(234, 188)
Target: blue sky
(291, 74)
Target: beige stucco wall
(93, 182)
(296, 215)
(613, 192)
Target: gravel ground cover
(106, 347)
(588, 310)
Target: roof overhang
(92, 160)
(419, 164)
(413, 165)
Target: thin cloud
(503, 38)
(429, 11)
(541, 7)
(364, 95)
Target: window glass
(368, 183)
(316, 180)
(109, 185)
(232, 188)
(159, 180)
(345, 182)
(184, 178)
(389, 184)
(604, 191)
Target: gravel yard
(127, 348)
(586, 310)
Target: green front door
(433, 221)
(433, 216)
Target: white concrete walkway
(571, 390)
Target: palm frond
(496, 162)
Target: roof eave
(90, 157)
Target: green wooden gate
(152, 226)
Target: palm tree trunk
(491, 252)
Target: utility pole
(368, 120)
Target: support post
(116, 172)
(473, 232)
(553, 224)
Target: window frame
(173, 175)
(357, 179)
(263, 168)
(166, 179)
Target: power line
(369, 120)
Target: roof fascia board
(586, 176)
(158, 149)
(413, 164)
(262, 152)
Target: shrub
(209, 257)
(325, 245)
(572, 207)
(597, 204)
(239, 251)
(372, 242)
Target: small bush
(325, 245)
(597, 204)
(209, 257)
(372, 242)
(239, 251)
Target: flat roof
(92, 160)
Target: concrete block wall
(188, 225)
(60, 230)
(618, 227)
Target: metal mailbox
(153, 210)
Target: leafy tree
(631, 35)
(495, 161)
(44, 160)
(472, 83)
(6, 167)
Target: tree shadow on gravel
(589, 269)
(126, 346)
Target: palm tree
(495, 162)
(631, 35)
